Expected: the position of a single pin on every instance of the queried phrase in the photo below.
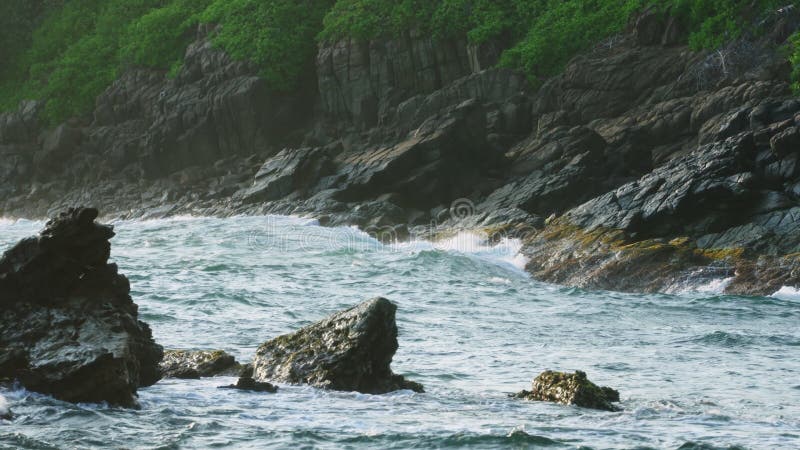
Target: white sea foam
(506, 252)
(787, 293)
(4, 407)
(715, 286)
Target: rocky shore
(642, 167)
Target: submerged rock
(349, 351)
(200, 363)
(249, 384)
(68, 326)
(246, 382)
(571, 389)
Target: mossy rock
(571, 389)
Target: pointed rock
(349, 351)
(68, 326)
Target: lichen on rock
(571, 389)
(349, 351)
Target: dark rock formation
(246, 382)
(571, 389)
(68, 326)
(349, 351)
(200, 363)
(249, 384)
(364, 82)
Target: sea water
(696, 370)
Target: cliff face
(365, 82)
(642, 165)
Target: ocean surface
(696, 370)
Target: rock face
(200, 363)
(349, 351)
(571, 389)
(68, 326)
(364, 81)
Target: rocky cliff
(643, 165)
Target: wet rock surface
(68, 326)
(349, 351)
(571, 389)
(193, 364)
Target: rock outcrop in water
(246, 382)
(68, 326)
(571, 389)
(195, 364)
(349, 351)
(644, 166)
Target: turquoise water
(696, 371)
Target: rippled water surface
(696, 371)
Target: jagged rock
(196, 364)
(349, 351)
(68, 326)
(359, 80)
(571, 389)
(291, 170)
(435, 164)
(58, 145)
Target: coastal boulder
(68, 326)
(571, 389)
(188, 364)
(349, 351)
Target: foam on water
(787, 293)
(4, 407)
(715, 371)
(716, 286)
(507, 252)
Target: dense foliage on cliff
(68, 51)
(277, 35)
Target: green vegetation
(68, 51)
(794, 59)
(277, 35)
(80, 46)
